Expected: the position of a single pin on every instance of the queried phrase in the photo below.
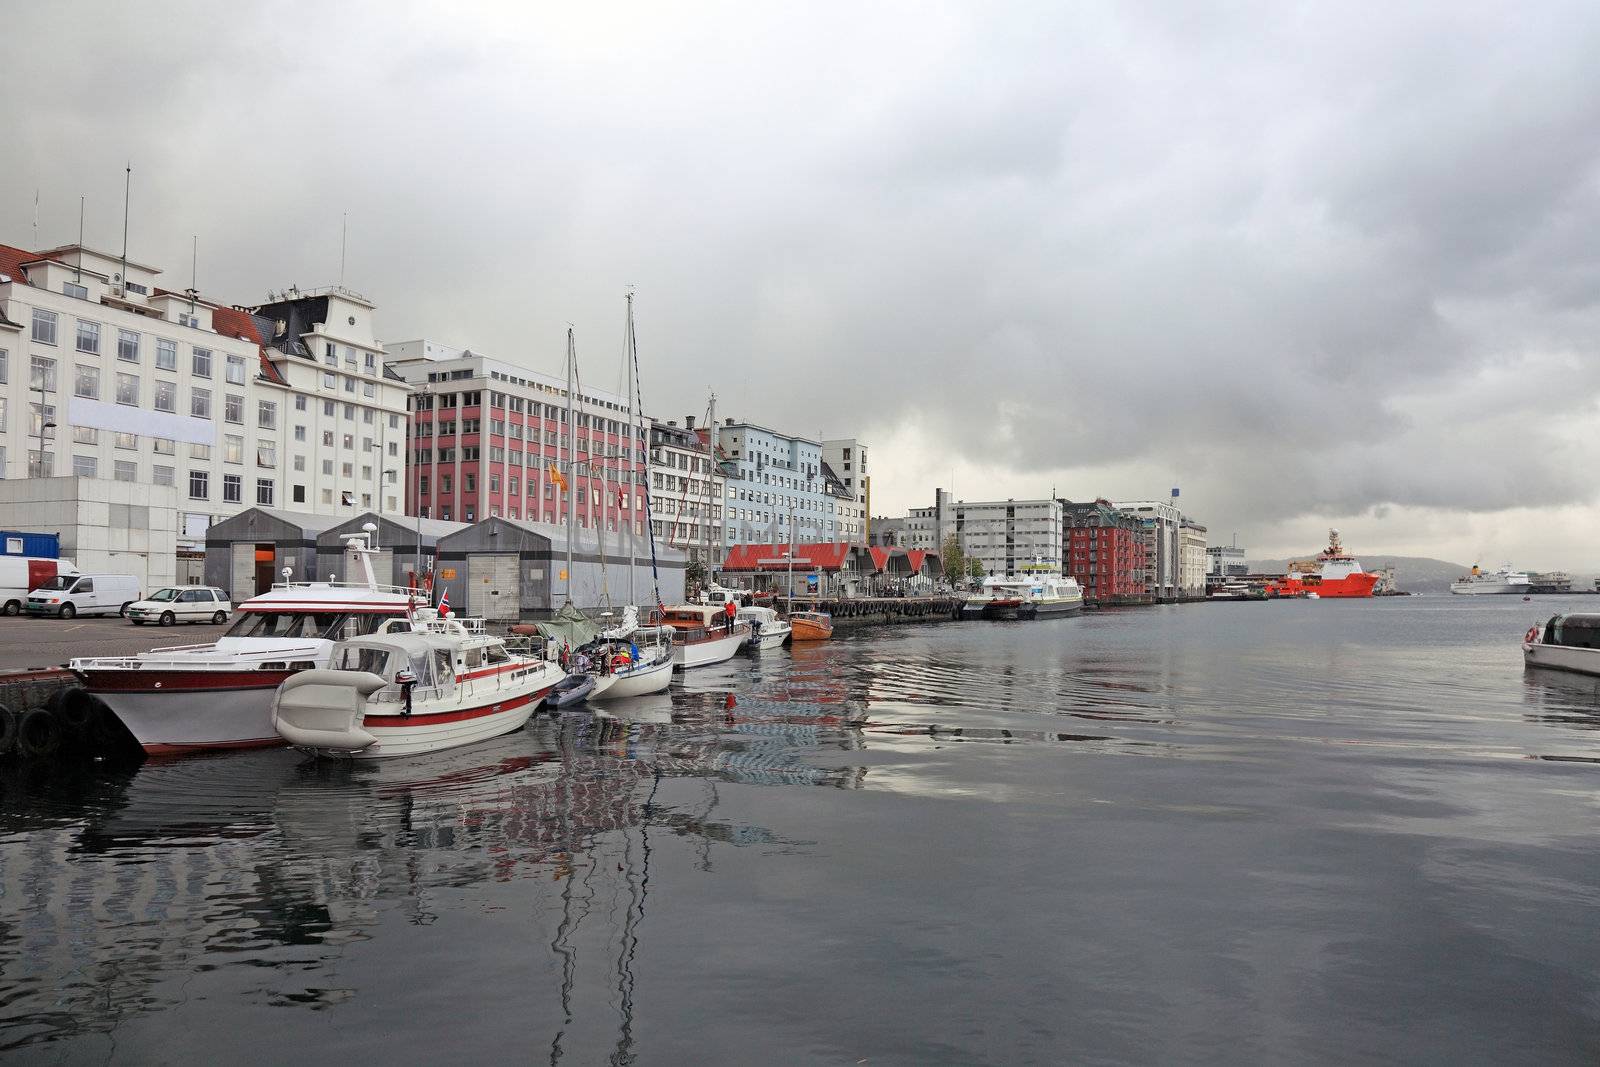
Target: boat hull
(651, 678)
(769, 639)
(1487, 588)
(399, 736)
(1054, 609)
(175, 712)
(1562, 658)
(810, 630)
(702, 653)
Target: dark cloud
(1306, 261)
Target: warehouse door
(493, 592)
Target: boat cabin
(1574, 630)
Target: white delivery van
(20, 574)
(85, 594)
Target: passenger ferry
(1479, 582)
(1029, 596)
(189, 698)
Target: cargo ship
(1331, 575)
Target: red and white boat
(189, 698)
(1331, 575)
(408, 690)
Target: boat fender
(38, 734)
(8, 729)
(74, 707)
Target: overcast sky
(1313, 264)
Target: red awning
(880, 557)
(915, 556)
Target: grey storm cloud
(1271, 251)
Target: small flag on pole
(444, 603)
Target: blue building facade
(768, 475)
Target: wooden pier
(852, 612)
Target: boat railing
(152, 661)
(379, 587)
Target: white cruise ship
(1480, 582)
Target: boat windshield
(297, 625)
(371, 660)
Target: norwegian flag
(444, 603)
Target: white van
(21, 574)
(85, 594)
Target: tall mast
(633, 441)
(791, 557)
(572, 466)
(711, 463)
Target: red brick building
(1104, 551)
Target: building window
(124, 470)
(232, 449)
(85, 435)
(84, 466)
(233, 409)
(125, 440)
(128, 389)
(42, 373)
(299, 494)
(349, 385)
(267, 415)
(200, 403)
(44, 326)
(86, 383)
(199, 485)
(74, 289)
(300, 463)
(327, 467)
(199, 451)
(266, 454)
(201, 364)
(164, 446)
(350, 412)
(161, 475)
(128, 345)
(88, 336)
(299, 433)
(166, 354)
(234, 372)
(264, 492)
(232, 489)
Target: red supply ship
(1331, 574)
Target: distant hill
(1414, 574)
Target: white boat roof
(330, 596)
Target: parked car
(21, 574)
(182, 603)
(84, 594)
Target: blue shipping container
(44, 546)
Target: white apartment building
(846, 457)
(1011, 536)
(771, 475)
(687, 490)
(1192, 559)
(119, 379)
(1160, 522)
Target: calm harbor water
(1280, 832)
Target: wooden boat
(703, 635)
(810, 625)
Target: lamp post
(43, 426)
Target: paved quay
(26, 642)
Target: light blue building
(769, 474)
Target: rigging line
(655, 570)
(635, 917)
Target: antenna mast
(127, 194)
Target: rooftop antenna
(194, 271)
(344, 230)
(35, 216)
(127, 194)
(77, 274)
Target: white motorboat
(768, 629)
(1569, 642)
(705, 635)
(188, 698)
(1025, 596)
(1480, 582)
(411, 690)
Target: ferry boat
(703, 635)
(1331, 575)
(1480, 582)
(768, 628)
(189, 698)
(405, 691)
(1031, 596)
(1569, 642)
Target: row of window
(130, 347)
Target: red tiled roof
(824, 556)
(880, 556)
(12, 259)
(231, 322)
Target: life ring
(1532, 635)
